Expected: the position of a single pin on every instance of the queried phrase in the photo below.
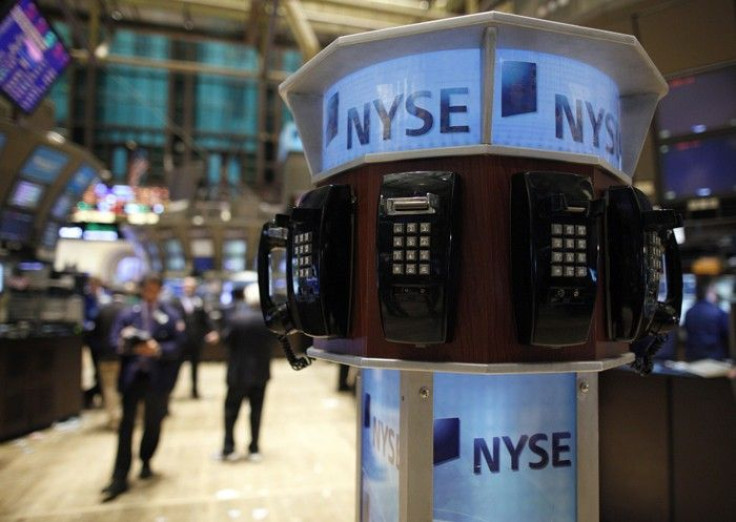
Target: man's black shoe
(114, 489)
(146, 471)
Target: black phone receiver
(278, 319)
(667, 312)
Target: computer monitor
(81, 179)
(44, 164)
(62, 206)
(33, 56)
(174, 259)
(234, 255)
(26, 194)
(16, 226)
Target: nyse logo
(411, 114)
(588, 125)
(384, 438)
(537, 451)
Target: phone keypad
(569, 251)
(303, 259)
(411, 254)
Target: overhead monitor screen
(26, 194)
(174, 255)
(81, 179)
(698, 168)
(16, 226)
(32, 55)
(44, 164)
(62, 206)
(698, 103)
(233, 255)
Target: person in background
(95, 296)
(106, 355)
(199, 329)
(250, 345)
(706, 325)
(148, 339)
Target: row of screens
(696, 136)
(202, 254)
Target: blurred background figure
(706, 325)
(250, 345)
(95, 296)
(199, 329)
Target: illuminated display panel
(234, 255)
(699, 167)
(44, 164)
(32, 54)
(16, 226)
(26, 194)
(81, 179)
(62, 206)
(174, 258)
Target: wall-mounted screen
(174, 255)
(234, 255)
(698, 168)
(698, 103)
(32, 55)
(26, 194)
(16, 226)
(44, 164)
(62, 206)
(81, 179)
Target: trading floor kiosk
(458, 248)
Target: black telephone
(318, 239)
(554, 251)
(416, 260)
(636, 239)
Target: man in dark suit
(250, 346)
(148, 337)
(199, 328)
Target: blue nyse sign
(422, 101)
(548, 102)
(505, 448)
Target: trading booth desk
(667, 446)
(40, 376)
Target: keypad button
(568, 271)
(581, 244)
(569, 257)
(424, 241)
(557, 257)
(398, 241)
(307, 249)
(397, 268)
(411, 242)
(424, 255)
(569, 230)
(424, 269)
(581, 230)
(556, 243)
(411, 269)
(425, 228)
(398, 255)
(581, 271)
(307, 236)
(398, 228)
(556, 229)
(581, 257)
(307, 260)
(411, 255)
(556, 271)
(412, 228)
(570, 244)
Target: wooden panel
(484, 327)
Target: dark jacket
(167, 330)
(197, 322)
(99, 338)
(707, 332)
(249, 345)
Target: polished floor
(307, 473)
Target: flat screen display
(26, 194)
(174, 255)
(44, 164)
(16, 226)
(233, 255)
(32, 55)
(698, 103)
(81, 180)
(698, 168)
(62, 206)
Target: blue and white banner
(548, 102)
(380, 446)
(421, 101)
(505, 448)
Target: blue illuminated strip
(547, 102)
(430, 100)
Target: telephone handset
(554, 249)
(637, 239)
(318, 240)
(416, 280)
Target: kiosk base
(462, 442)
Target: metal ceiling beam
(301, 28)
